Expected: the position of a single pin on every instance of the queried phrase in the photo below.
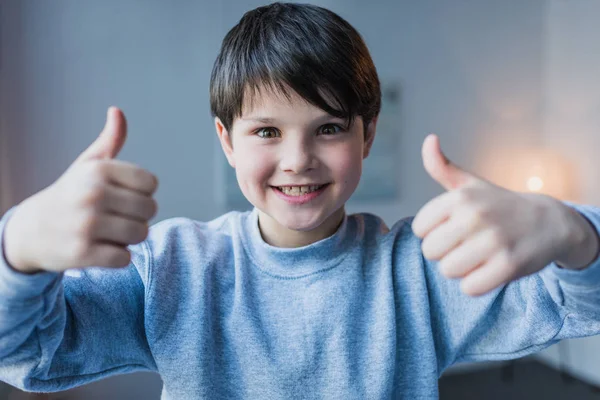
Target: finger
(448, 235)
(110, 141)
(130, 176)
(496, 272)
(469, 255)
(128, 203)
(108, 255)
(440, 168)
(434, 213)
(119, 230)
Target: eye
(267, 133)
(330, 129)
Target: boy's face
(294, 162)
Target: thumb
(440, 168)
(110, 141)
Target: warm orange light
(532, 170)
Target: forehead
(278, 100)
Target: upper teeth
(298, 190)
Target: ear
(225, 140)
(369, 137)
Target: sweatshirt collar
(298, 261)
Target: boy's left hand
(489, 235)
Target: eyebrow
(259, 119)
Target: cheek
(253, 167)
(347, 164)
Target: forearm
(26, 303)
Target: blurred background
(510, 86)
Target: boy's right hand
(88, 216)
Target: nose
(298, 156)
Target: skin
(300, 145)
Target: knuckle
(138, 232)
(94, 196)
(121, 258)
(465, 195)
(98, 169)
(80, 250)
(88, 224)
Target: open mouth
(299, 190)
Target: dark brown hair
(304, 47)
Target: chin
(301, 226)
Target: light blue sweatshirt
(220, 314)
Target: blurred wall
(66, 61)
(5, 195)
(474, 72)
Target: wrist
(13, 250)
(583, 244)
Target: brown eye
(330, 129)
(267, 133)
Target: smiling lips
(299, 194)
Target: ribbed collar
(299, 261)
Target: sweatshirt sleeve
(60, 330)
(520, 318)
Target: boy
(294, 299)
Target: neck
(280, 236)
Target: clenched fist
(88, 216)
(489, 236)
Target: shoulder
(180, 252)
(187, 240)
(398, 245)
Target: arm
(59, 330)
(519, 318)
(502, 247)
(577, 286)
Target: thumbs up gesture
(89, 216)
(488, 236)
